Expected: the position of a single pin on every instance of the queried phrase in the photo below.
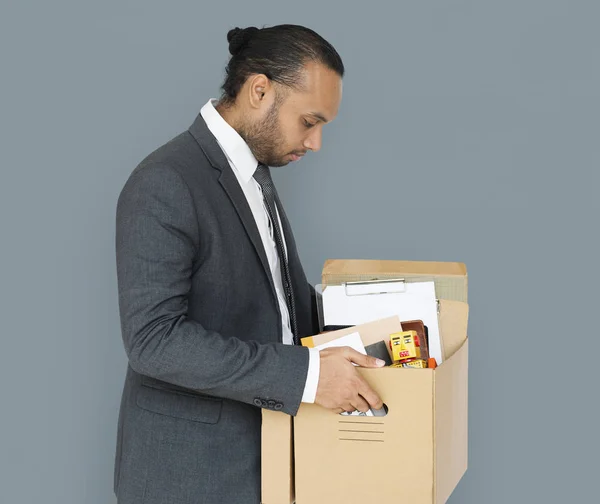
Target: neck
(230, 114)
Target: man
(213, 298)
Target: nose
(314, 140)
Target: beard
(265, 138)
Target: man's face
(287, 130)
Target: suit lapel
(292, 253)
(232, 188)
(237, 197)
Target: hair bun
(239, 37)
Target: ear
(260, 91)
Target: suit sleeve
(157, 237)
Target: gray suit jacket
(202, 330)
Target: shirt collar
(232, 144)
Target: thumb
(363, 360)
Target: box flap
(451, 422)
(450, 277)
(453, 317)
(277, 458)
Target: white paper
(417, 302)
(352, 340)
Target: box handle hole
(376, 413)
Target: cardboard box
(418, 452)
(277, 458)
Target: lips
(296, 157)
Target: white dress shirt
(244, 164)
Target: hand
(341, 387)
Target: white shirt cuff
(312, 378)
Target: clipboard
(354, 303)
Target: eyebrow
(318, 116)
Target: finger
(362, 359)
(369, 395)
(360, 404)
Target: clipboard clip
(367, 287)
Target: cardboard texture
(277, 458)
(451, 423)
(417, 453)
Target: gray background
(468, 132)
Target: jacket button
(257, 402)
(278, 406)
(264, 403)
(271, 404)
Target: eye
(307, 124)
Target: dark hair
(279, 52)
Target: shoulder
(174, 165)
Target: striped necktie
(263, 176)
